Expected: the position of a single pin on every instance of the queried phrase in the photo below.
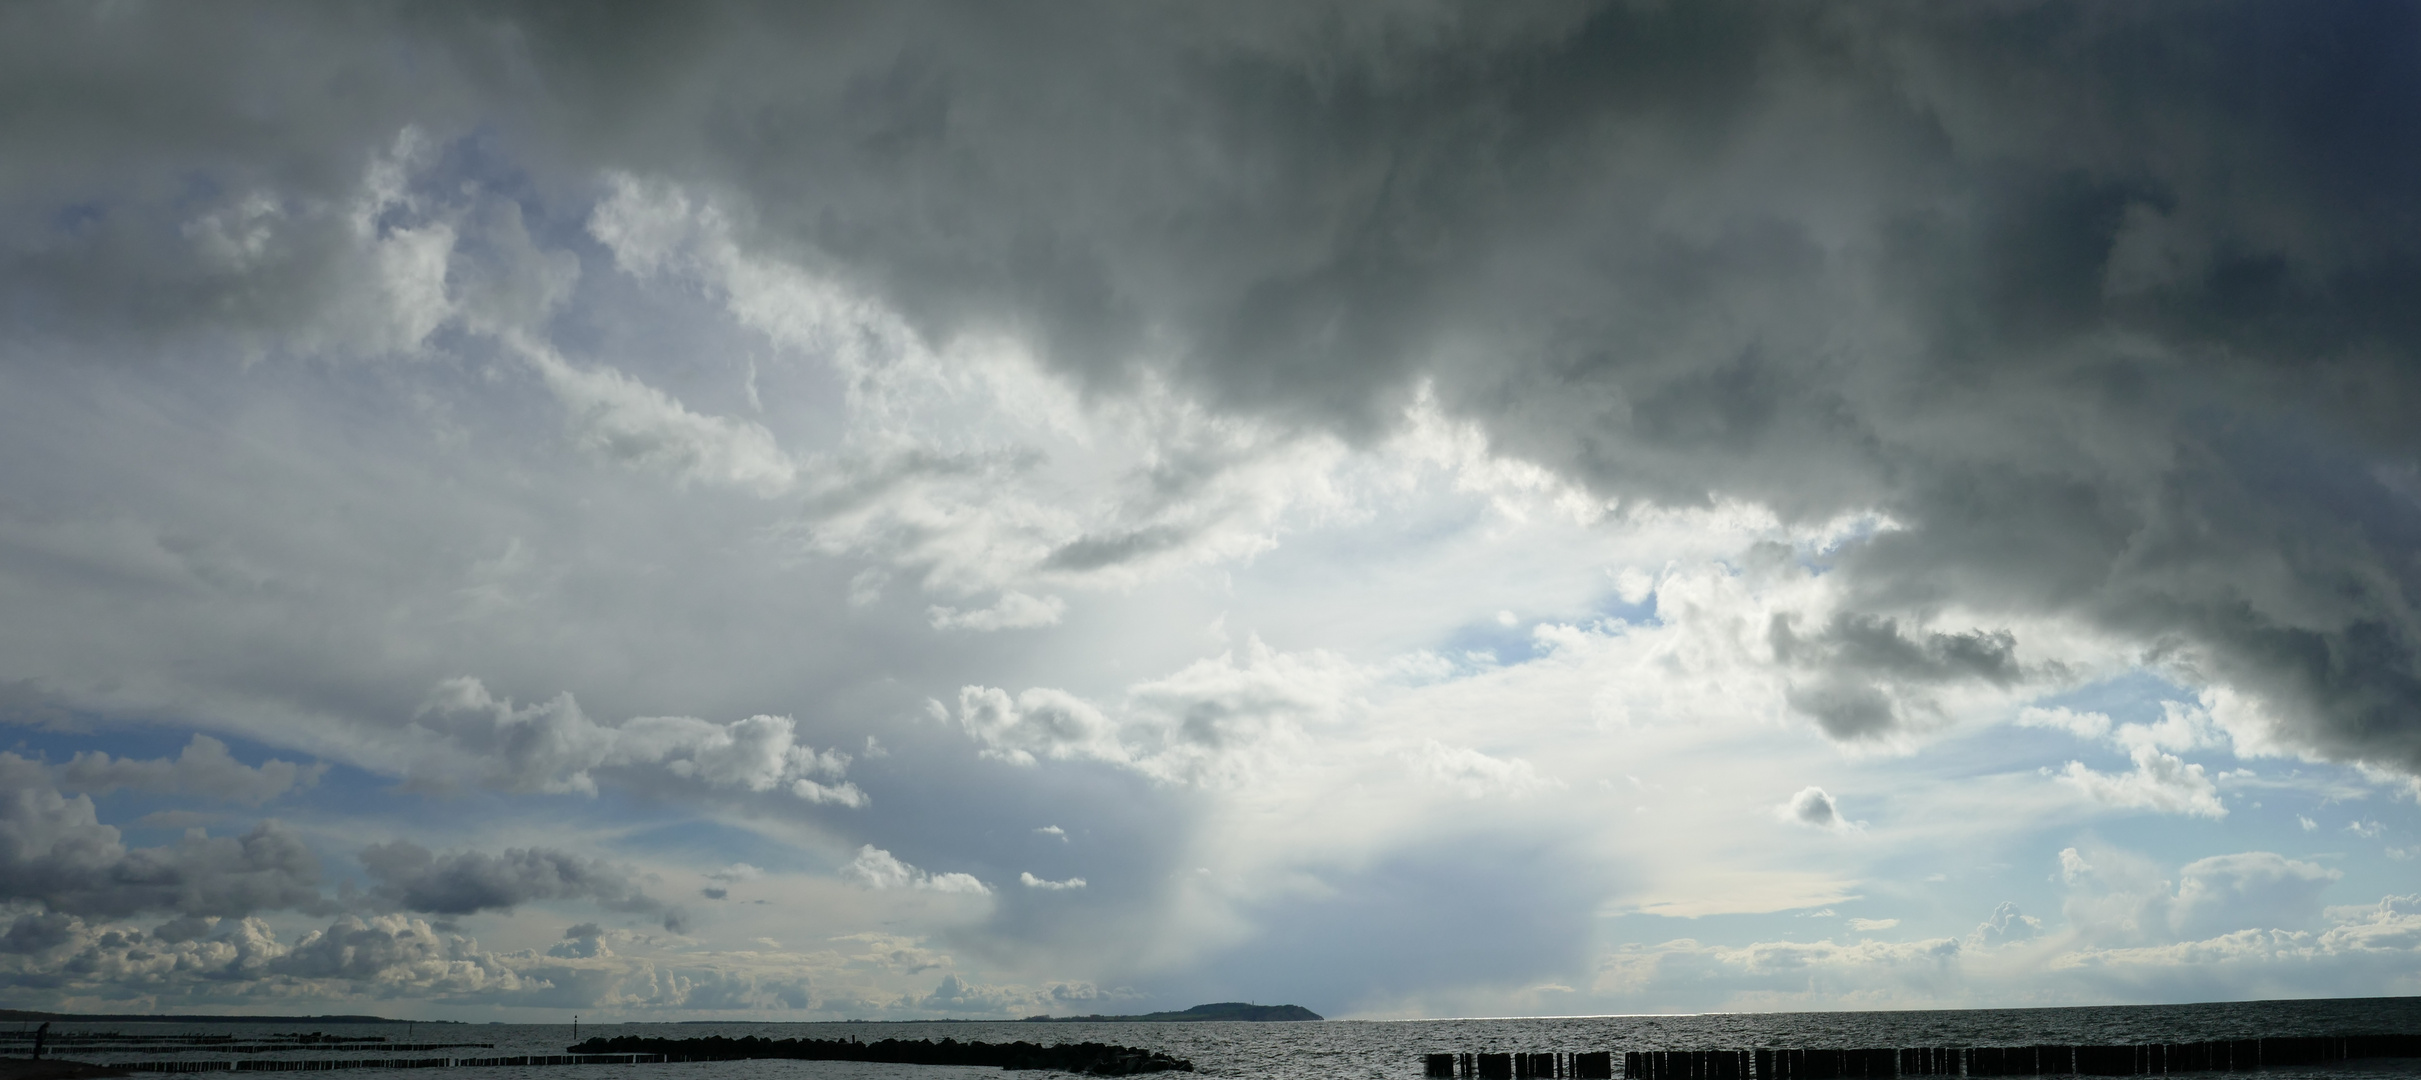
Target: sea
(1327, 1050)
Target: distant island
(1224, 1010)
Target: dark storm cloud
(467, 882)
(2108, 309)
(1873, 644)
(38, 932)
(1095, 552)
(1858, 656)
(54, 850)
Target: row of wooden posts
(2139, 1059)
(330, 1064)
(1581, 1066)
(229, 1044)
(57, 1043)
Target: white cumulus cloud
(876, 868)
(1032, 882)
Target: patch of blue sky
(2365, 834)
(197, 190)
(1508, 639)
(478, 160)
(1492, 643)
(1469, 909)
(1952, 881)
(2002, 749)
(711, 845)
(691, 347)
(2133, 697)
(1834, 921)
(1613, 607)
(59, 743)
(74, 218)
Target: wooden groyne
(1098, 1059)
(2138, 1059)
(1581, 1066)
(338, 1064)
(88, 1041)
(267, 1048)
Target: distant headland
(1224, 1010)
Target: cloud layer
(1215, 497)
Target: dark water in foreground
(1371, 1050)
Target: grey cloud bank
(2102, 308)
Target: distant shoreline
(1228, 1011)
(1216, 1012)
(29, 1016)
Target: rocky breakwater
(1094, 1059)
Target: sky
(904, 510)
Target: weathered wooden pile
(1097, 1059)
(2141, 1059)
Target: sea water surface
(1349, 1049)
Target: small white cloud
(955, 883)
(2161, 782)
(1013, 611)
(2086, 725)
(2368, 830)
(1476, 775)
(1053, 830)
(2006, 925)
(2308, 824)
(2181, 727)
(1634, 585)
(1869, 925)
(841, 794)
(736, 872)
(1033, 882)
(1812, 806)
(1507, 619)
(1041, 722)
(879, 869)
(2073, 866)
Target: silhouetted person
(39, 1034)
